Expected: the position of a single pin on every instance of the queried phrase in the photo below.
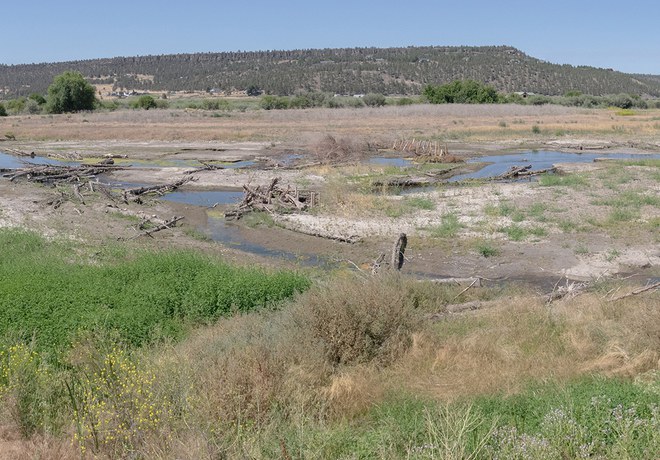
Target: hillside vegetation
(340, 71)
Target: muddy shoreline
(540, 261)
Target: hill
(343, 71)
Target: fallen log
(159, 190)
(471, 282)
(51, 173)
(650, 287)
(460, 308)
(316, 233)
(205, 167)
(166, 225)
(513, 172)
(405, 181)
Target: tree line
(402, 71)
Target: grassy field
(202, 360)
(445, 123)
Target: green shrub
(374, 100)
(354, 102)
(38, 98)
(269, 102)
(461, 92)
(145, 102)
(3, 110)
(215, 104)
(405, 101)
(70, 92)
(16, 106)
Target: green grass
(537, 211)
(556, 180)
(48, 294)
(587, 418)
(651, 162)
(514, 232)
(420, 203)
(487, 250)
(448, 228)
(630, 199)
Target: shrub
(357, 321)
(32, 106)
(354, 102)
(405, 101)
(145, 102)
(215, 104)
(16, 106)
(300, 102)
(38, 98)
(539, 100)
(334, 103)
(622, 101)
(461, 92)
(70, 92)
(269, 102)
(253, 90)
(374, 100)
(3, 111)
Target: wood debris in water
(133, 194)
(273, 199)
(54, 174)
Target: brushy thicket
(152, 296)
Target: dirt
(570, 237)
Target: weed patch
(151, 296)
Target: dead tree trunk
(398, 251)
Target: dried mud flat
(604, 224)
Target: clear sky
(623, 35)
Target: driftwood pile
(272, 199)
(135, 194)
(59, 174)
(425, 151)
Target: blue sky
(621, 35)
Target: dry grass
(444, 122)
(339, 350)
(505, 348)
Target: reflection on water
(385, 161)
(228, 234)
(11, 162)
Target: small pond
(205, 198)
(542, 159)
(387, 161)
(11, 162)
(228, 234)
